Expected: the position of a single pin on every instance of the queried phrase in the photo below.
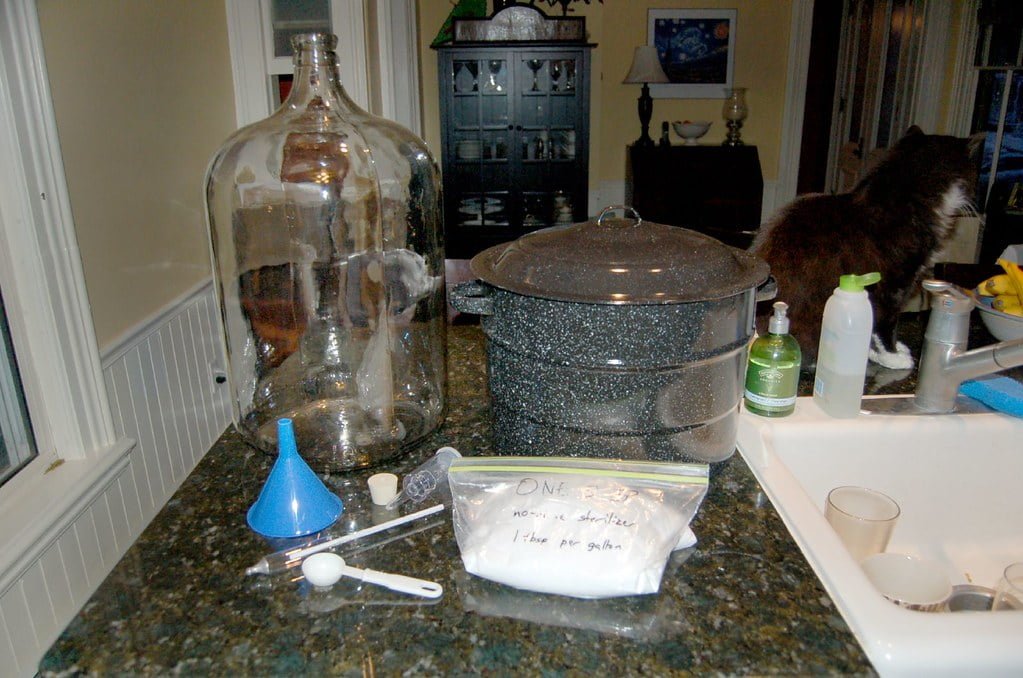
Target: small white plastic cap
(448, 454)
(383, 487)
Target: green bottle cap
(856, 283)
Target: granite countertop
(743, 600)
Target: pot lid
(620, 261)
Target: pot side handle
(472, 297)
(768, 289)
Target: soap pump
(845, 341)
(772, 374)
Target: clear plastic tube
(430, 476)
(286, 559)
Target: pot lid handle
(625, 208)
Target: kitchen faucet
(945, 363)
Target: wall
(143, 97)
(617, 27)
(137, 125)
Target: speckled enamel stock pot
(616, 338)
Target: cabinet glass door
(480, 138)
(547, 111)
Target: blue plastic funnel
(294, 501)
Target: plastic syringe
(289, 558)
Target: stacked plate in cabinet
(474, 209)
(469, 149)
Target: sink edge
(897, 641)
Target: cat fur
(894, 221)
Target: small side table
(717, 190)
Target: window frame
(48, 311)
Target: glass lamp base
(733, 138)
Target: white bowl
(1004, 326)
(690, 131)
(909, 582)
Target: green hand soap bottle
(772, 374)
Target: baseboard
(163, 396)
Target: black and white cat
(894, 221)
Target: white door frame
(795, 102)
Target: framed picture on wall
(697, 51)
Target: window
(17, 442)
(377, 45)
(291, 17)
(998, 105)
(287, 19)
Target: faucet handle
(948, 297)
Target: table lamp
(734, 112)
(646, 68)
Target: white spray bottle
(845, 340)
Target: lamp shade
(646, 67)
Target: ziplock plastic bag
(588, 528)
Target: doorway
(866, 84)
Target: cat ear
(913, 130)
(975, 144)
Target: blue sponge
(999, 393)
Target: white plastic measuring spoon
(325, 569)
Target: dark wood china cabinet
(514, 137)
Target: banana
(1015, 274)
(995, 285)
(1007, 303)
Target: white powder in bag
(587, 537)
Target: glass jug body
(326, 234)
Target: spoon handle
(399, 582)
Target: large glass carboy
(327, 248)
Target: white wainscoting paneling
(163, 395)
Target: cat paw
(900, 359)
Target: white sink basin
(959, 481)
